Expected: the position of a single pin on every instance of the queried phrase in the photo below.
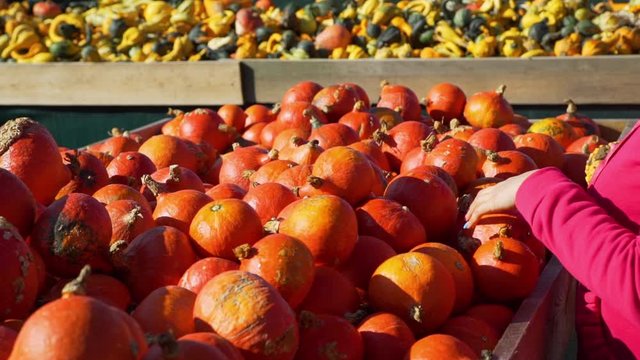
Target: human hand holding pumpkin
(499, 197)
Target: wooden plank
(116, 84)
(537, 81)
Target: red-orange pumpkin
(120, 142)
(457, 158)
(168, 180)
(336, 101)
(198, 274)
(401, 99)
(385, 337)
(505, 164)
(128, 168)
(440, 346)
(586, 144)
(269, 133)
(177, 209)
(491, 139)
(234, 116)
(365, 258)
(495, 315)
(301, 152)
(128, 220)
(324, 337)
(362, 94)
(217, 341)
(165, 346)
(269, 199)
(238, 165)
(206, 126)
(473, 332)
(373, 151)
(166, 150)
(166, 309)
(88, 173)
(258, 113)
(295, 177)
(252, 133)
(284, 262)
(21, 210)
(301, 92)
(299, 115)
(541, 148)
(427, 170)
(101, 287)
(331, 293)
(403, 138)
(513, 130)
(445, 102)
(251, 315)
(115, 192)
(419, 155)
(488, 109)
(226, 191)
(582, 124)
(332, 135)
(290, 137)
(8, 337)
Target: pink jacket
(595, 235)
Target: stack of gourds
(150, 31)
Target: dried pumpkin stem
(439, 127)
(272, 226)
(454, 123)
(498, 251)
(273, 154)
(505, 231)
(77, 286)
(276, 108)
(501, 89)
(315, 181)
(175, 173)
(244, 251)
(572, 108)
(416, 312)
(155, 187)
(429, 143)
(358, 106)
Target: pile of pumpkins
(322, 228)
(194, 30)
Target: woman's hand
(499, 197)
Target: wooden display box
(543, 324)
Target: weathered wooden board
(118, 84)
(540, 81)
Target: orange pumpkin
(301, 152)
(440, 346)
(203, 270)
(324, 337)
(473, 332)
(403, 138)
(88, 173)
(128, 168)
(457, 266)
(332, 135)
(234, 116)
(457, 158)
(365, 258)
(423, 171)
(269, 133)
(488, 109)
(294, 178)
(301, 92)
(373, 151)
(560, 130)
(217, 341)
(178, 208)
(495, 315)
(101, 287)
(299, 115)
(8, 338)
(269, 199)
(586, 144)
(165, 150)
(490, 139)
(331, 293)
(290, 137)
(385, 336)
(226, 191)
(21, 210)
(541, 148)
(336, 101)
(221, 226)
(258, 113)
(206, 126)
(445, 102)
(416, 287)
(115, 192)
(582, 124)
(284, 262)
(513, 130)
(490, 226)
(361, 93)
(166, 309)
(325, 223)
(251, 315)
(505, 269)
(252, 133)
(401, 99)
(419, 155)
(128, 220)
(506, 164)
(119, 142)
(333, 37)
(165, 346)
(168, 180)
(238, 165)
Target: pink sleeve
(591, 245)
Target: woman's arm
(591, 245)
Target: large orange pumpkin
(206, 126)
(203, 270)
(101, 287)
(270, 171)
(401, 99)
(221, 226)
(28, 150)
(233, 115)
(115, 192)
(178, 208)
(287, 137)
(416, 287)
(331, 293)
(118, 142)
(301, 152)
(325, 223)
(19, 279)
(373, 151)
(258, 113)
(457, 266)
(72, 232)
(456, 157)
(385, 337)
(506, 164)
(440, 346)
(331, 135)
(168, 180)
(361, 120)
(296, 177)
(269, 199)
(128, 168)
(301, 92)
(490, 139)
(473, 332)
(299, 115)
(335, 101)
(244, 309)
(21, 210)
(226, 191)
(165, 150)
(326, 337)
(422, 171)
(284, 262)
(445, 102)
(541, 148)
(166, 309)
(488, 109)
(582, 124)
(128, 220)
(367, 255)
(401, 139)
(238, 165)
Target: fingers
(481, 205)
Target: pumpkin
(401, 99)
(222, 225)
(457, 158)
(207, 158)
(361, 94)
(480, 183)
(290, 137)
(258, 113)
(295, 177)
(41, 271)
(582, 124)
(238, 165)
(490, 226)
(428, 170)
(206, 126)
(119, 142)
(389, 118)
(251, 315)
(506, 164)
(165, 346)
(158, 257)
(128, 168)
(541, 148)
(488, 109)
(495, 315)
(560, 130)
(203, 270)
(301, 92)
(505, 269)
(457, 131)
(299, 115)
(326, 337)
(473, 332)
(88, 174)
(513, 130)
(165, 150)
(343, 172)
(115, 192)
(269, 199)
(171, 127)
(429, 199)
(574, 167)
(373, 151)
(440, 346)
(226, 191)
(336, 101)
(234, 116)
(166, 309)
(104, 158)
(282, 261)
(269, 172)
(333, 37)
(330, 293)
(457, 266)
(385, 337)
(586, 144)
(391, 222)
(177, 209)
(269, 133)
(365, 258)
(128, 220)
(252, 133)
(403, 138)
(107, 289)
(301, 152)
(490, 139)
(325, 223)
(21, 210)
(19, 280)
(168, 180)
(98, 331)
(28, 150)
(73, 231)
(8, 337)
(416, 287)
(216, 340)
(332, 135)
(418, 156)
(445, 102)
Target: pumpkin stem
(227, 129)
(155, 187)
(74, 163)
(498, 251)
(276, 108)
(380, 136)
(505, 231)
(358, 106)
(468, 244)
(244, 251)
(384, 83)
(439, 127)
(131, 217)
(572, 108)
(175, 112)
(77, 286)
(494, 157)
(501, 89)
(273, 154)
(308, 319)
(315, 122)
(429, 143)
(272, 226)
(116, 132)
(116, 252)
(398, 109)
(416, 312)
(174, 173)
(246, 174)
(296, 141)
(454, 123)
(168, 344)
(235, 145)
(315, 181)
(486, 355)
(13, 130)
